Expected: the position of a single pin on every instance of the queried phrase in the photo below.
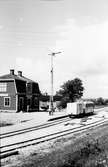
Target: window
(3, 87)
(29, 87)
(7, 101)
(89, 105)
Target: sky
(30, 30)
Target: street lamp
(51, 97)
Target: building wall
(22, 103)
(32, 103)
(20, 86)
(10, 87)
(32, 88)
(35, 88)
(11, 94)
(32, 96)
(19, 94)
(12, 106)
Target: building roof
(10, 77)
(26, 79)
(16, 77)
(20, 78)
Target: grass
(92, 153)
(82, 150)
(87, 155)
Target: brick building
(18, 93)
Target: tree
(106, 101)
(71, 90)
(62, 104)
(100, 101)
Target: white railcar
(80, 108)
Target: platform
(27, 120)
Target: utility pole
(52, 83)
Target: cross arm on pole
(54, 53)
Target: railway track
(14, 148)
(45, 125)
(25, 130)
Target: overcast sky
(32, 29)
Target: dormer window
(29, 87)
(3, 87)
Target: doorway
(21, 103)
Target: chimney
(20, 73)
(12, 71)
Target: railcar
(80, 108)
(88, 107)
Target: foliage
(62, 104)
(100, 101)
(106, 102)
(71, 90)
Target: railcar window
(89, 105)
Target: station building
(18, 93)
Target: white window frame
(3, 86)
(5, 101)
